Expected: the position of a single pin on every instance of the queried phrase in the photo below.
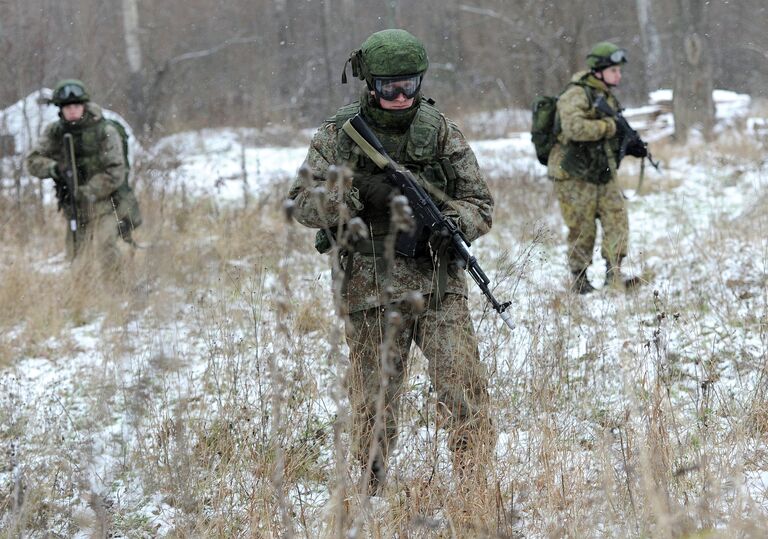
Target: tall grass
(206, 398)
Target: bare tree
(649, 35)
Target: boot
(614, 278)
(375, 478)
(580, 283)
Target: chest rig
(87, 139)
(419, 149)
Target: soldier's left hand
(85, 195)
(439, 241)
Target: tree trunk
(649, 37)
(692, 104)
(137, 110)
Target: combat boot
(613, 278)
(581, 284)
(375, 478)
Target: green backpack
(544, 124)
(124, 199)
(543, 133)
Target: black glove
(637, 148)
(375, 191)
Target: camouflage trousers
(96, 241)
(460, 381)
(582, 204)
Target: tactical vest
(87, 147)
(418, 150)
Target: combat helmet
(389, 54)
(69, 91)
(605, 54)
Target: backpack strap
(344, 144)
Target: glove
(637, 148)
(375, 191)
(439, 241)
(54, 172)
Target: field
(205, 398)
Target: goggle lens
(390, 88)
(68, 91)
(618, 56)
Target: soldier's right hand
(55, 172)
(375, 191)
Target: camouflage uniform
(585, 178)
(434, 149)
(102, 169)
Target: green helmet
(69, 91)
(605, 54)
(388, 53)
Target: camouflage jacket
(99, 154)
(470, 204)
(587, 143)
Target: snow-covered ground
(221, 163)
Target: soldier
(583, 166)
(413, 131)
(101, 170)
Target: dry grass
(210, 402)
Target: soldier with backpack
(86, 156)
(584, 153)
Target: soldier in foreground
(417, 295)
(84, 155)
(583, 166)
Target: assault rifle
(71, 181)
(428, 216)
(631, 143)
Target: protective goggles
(69, 91)
(390, 87)
(619, 56)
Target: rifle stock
(424, 209)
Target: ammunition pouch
(587, 161)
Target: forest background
(184, 64)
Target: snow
(213, 162)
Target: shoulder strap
(345, 113)
(587, 90)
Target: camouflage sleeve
(576, 119)
(318, 203)
(472, 204)
(102, 184)
(46, 153)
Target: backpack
(124, 199)
(544, 126)
(543, 133)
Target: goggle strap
(344, 72)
